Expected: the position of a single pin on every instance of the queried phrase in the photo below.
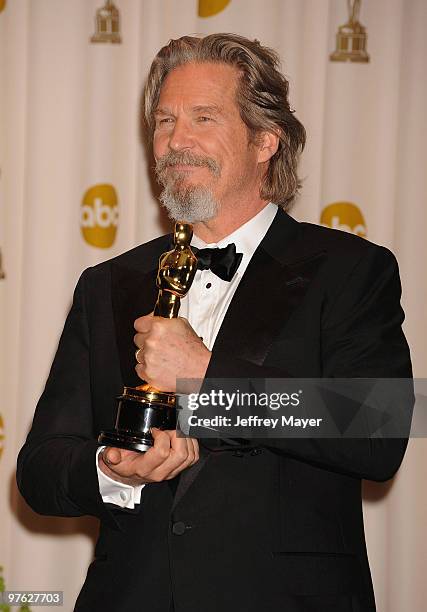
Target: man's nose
(181, 136)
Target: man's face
(204, 159)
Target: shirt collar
(247, 237)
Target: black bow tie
(223, 262)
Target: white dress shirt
(204, 307)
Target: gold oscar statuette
(107, 24)
(351, 38)
(143, 407)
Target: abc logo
(99, 215)
(344, 216)
(1, 435)
(207, 8)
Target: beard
(186, 202)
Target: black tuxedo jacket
(276, 525)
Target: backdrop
(75, 189)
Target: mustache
(186, 158)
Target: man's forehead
(201, 78)
(201, 86)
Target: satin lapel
(187, 478)
(133, 295)
(266, 297)
(274, 284)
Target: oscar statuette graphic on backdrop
(351, 38)
(107, 25)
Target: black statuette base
(137, 413)
(125, 440)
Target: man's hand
(168, 457)
(169, 349)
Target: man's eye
(203, 118)
(164, 120)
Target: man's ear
(268, 144)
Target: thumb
(112, 456)
(160, 436)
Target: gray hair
(262, 97)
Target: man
(271, 524)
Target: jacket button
(178, 528)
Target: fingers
(182, 454)
(168, 457)
(111, 456)
(139, 340)
(144, 342)
(143, 465)
(143, 324)
(196, 449)
(140, 370)
(149, 330)
(157, 328)
(111, 461)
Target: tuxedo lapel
(186, 478)
(274, 284)
(134, 294)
